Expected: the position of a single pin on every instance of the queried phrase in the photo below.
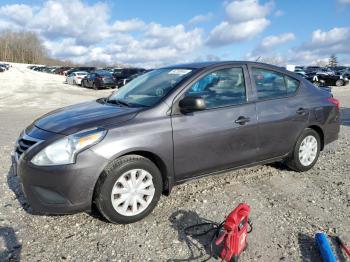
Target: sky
(154, 33)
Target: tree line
(25, 47)
(21, 47)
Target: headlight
(63, 151)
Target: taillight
(99, 78)
(334, 101)
(79, 77)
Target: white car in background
(76, 77)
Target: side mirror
(191, 104)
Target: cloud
(244, 20)
(200, 19)
(336, 37)
(279, 13)
(85, 32)
(128, 25)
(245, 10)
(227, 33)
(318, 48)
(18, 13)
(344, 2)
(274, 40)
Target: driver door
(215, 139)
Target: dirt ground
(288, 208)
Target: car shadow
(345, 116)
(200, 245)
(14, 184)
(13, 248)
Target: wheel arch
(157, 160)
(320, 132)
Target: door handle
(301, 111)
(242, 120)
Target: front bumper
(60, 189)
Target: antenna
(257, 60)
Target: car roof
(202, 65)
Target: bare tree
(21, 47)
(333, 61)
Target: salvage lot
(287, 207)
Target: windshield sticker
(179, 71)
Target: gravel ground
(288, 208)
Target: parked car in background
(5, 66)
(322, 79)
(121, 82)
(81, 68)
(312, 69)
(99, 79)
(60, 70)
(124, 73)
(2, 69)
(76, 77)
(173, 124)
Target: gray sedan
(168, 126)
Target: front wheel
(306, 151)
(129, 189)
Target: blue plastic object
(325, 248)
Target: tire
(294, 162)
(339, 82)
(113, 179)
(94, 86)
(82, 83)
(74, 83)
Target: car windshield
(148, 89)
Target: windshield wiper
(118, 102)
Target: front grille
(23, 144)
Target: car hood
(72, 119)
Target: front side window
(220, 88)
(271, 85)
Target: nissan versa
(167, 126)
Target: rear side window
(224, 87)
(292, 85)
(271, 85)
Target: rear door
(282, 115)
(222, 136)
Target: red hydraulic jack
(234, 235)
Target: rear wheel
(306, 151)
(129, 189)
(339, 82)
(94, 86)
(82, 83)
(74, 83)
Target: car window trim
(202, 73)
(253, 85)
